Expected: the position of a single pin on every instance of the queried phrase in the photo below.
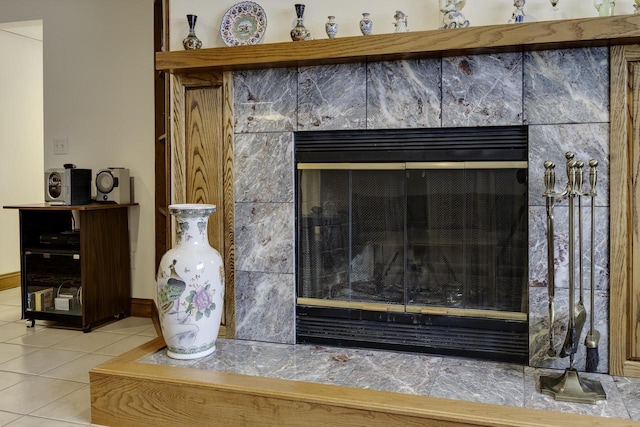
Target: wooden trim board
(624, 220)
(9, 280)
(125, 393)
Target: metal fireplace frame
(437, 330)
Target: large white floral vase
(190, 286)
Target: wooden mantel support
(585, 32)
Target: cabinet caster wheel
(86, 328)
(120, 316)
(31, 323)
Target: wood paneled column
(202, 163)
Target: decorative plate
(243, 24)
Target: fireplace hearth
(414, 240)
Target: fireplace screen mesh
(437, 237)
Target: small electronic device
(113, 185)
(67, 186)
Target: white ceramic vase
(331, 27)
(190, 286)
(366, 24)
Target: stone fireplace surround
(562, 95)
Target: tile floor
(44, 371)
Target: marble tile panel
(265, 100)
(320, 364)
(399, 372)
(160, 358)
(566, 86)
(332, 97)
(264, 237)
(480, 381)
(404, 94)
(612, 407)
(246, 357)
(263, 167)
(265, 307)
(629, 388)
(482, 90)
(539, 329)
(538, 270)
(588, 141)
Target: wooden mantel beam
(584, 32)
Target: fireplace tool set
(569, 386)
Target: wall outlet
(60, 146)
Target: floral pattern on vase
(190, 286)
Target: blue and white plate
(243, 24)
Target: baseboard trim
(9, 280)
(141, 307)
(146, 308)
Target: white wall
(423, 15)
(98, 93)
(21, 132)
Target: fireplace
(562, 96)
(414, 239)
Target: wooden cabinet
(75, 264)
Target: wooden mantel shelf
(585, 32)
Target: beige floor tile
(11, 351)
(7, 379)
(78, 369)
(88, 342)
(30, 421)
(10, 313)
(7, 417)
(124, 345)
(128, 325)
(14, 330)
(27, 396)
(149, 332)
(75, 407)
(40, 360)
(10, 297)
(45, 337)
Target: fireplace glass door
(414, 237)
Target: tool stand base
(569, 387)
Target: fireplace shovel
(593, 336)
(549, 182)
(579, 313)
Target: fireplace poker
(570, 343)
(581, 312)
(593, 337)
(549, 183)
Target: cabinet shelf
(569, 33)
(93, 270)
